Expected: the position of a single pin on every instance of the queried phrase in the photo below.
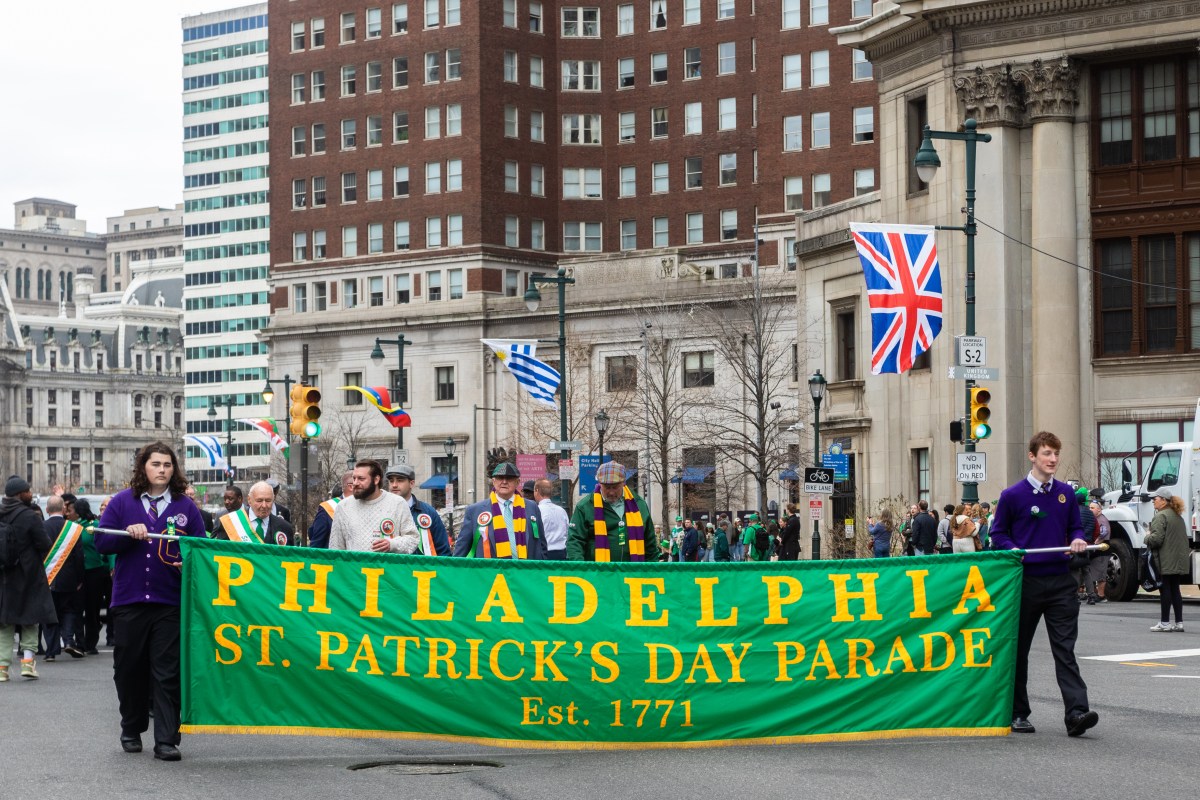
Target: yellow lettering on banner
(371, 598)
(590, 601)
(494, 659)
(707, 613)
(473, 663)
(920, 605)
(401, 650)
(365, 652)
(676, 662)
(781, 650)
(235, 650)
(702, 661)
(265, 641)
(423, 612)
(776, 599)
(823, 658)
(543, 661)
(975, 589)
(499, 597)
(971, 647)
(604, 661)
(641, 602)
(842, 597)
(899, 653)
(226, 580)
(855, 657)
(529, 715)
(735, 661)
(292, 586)
(436, 657)
(328, 637)
(927, 638)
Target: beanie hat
(16, 485)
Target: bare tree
(748, 331)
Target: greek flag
(517, 355)
(212, 448)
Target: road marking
(1145, 664)
(1145, 656)
(1192, 677)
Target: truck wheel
(1122, 581)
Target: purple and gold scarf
(634, 528)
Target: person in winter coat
(789, 540)
(881, 534)
(1168, 539)
(24, 593)
(721, 542)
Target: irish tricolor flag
(238, 528)
(62, 548)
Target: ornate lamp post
(268, 394)
(448, 445)
(401, 387)
(601, 426)
(816, 388)
(532, 299)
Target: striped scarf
(634, 528)
(500, 529)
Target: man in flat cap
(401, 479)
(503, 525)
(612, 523)
(25, 598)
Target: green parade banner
(559, 654)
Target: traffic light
(306, 411)
(981, 415)
(956, 430)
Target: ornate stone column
(1050, 99)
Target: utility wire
(1107, 275)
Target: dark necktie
(154, 501)
(1046, 487)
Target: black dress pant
(146, 668)
(65, 632)
(1051, 597)
(97, 589)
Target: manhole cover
(426, 766)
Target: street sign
(399, 456)
(818, 480)
(971, 351)
(839, 463)
(814, 508)
(972, 467)
(972, 373)
(567, 469)
(556, 445)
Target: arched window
(70, 287)
(103, 281)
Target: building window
(660, 177)
(818, 12)
(820, 129)
(821, 190)
(622, 373)
(512, 179)
(403, 291)
(512, 231)
(793, 71)
(299, 84)
(864, 181)
(580, 183)
(374, 184)
(729, 222)
(658, 123)
(535, 72)
(580, 22)
(727, 114)
(699, 369)
(658, 68)
(582, 236)
(793, 133)
(864, 124)
(508, 14)
(916, 117)
(695, 227)
(299, 193)
(511, 129)
(789, 258)
(624, 19)
(581, 76)
(349, 187)
(658, 15)
(728, 175)
(348, 29)
(691, 63)
(793, 193)
(535, 17)
(375, 241)
(454, 175)
(374, 76)
(349, 81)
(455, 279)
(433, 232)
(628, 182)
(400, 72)
(863, 71)
(433, 177)
(433, 122)
(399, 18)
(349, 134)
(432, 14)
(349, 241)
(320, 296)
(661, 232)
(693, 172)
(629, 234)
(537, 180)
(349, 396)
(318, 85)
(318, 244)
(444, 383)
(433, 286)
(512, 281)
(299, 140)
(300, 246)
(1118, 439)
(350, 293)
(1142, 108)
(860, 8)
(845, 334)
(318, 138)
(727, 58)
(537, 234)
(510, 66)
(692, 119)
(921, 473)
(791, 14)
(818, 63)
(400, 231)
(433, 67)
(583, 128)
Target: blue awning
(694, 475)
(439, 481)
(789, 474)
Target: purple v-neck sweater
(1016, 526)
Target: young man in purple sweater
(1039, 511)
(145, 596)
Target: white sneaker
(1177, 627)
(1162, 626)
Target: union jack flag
(904, 290)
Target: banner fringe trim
(815, 738)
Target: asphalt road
(58, 737)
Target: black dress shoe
(166, 752)
(1022, 725)
(1080, 723)
(131, 744)
(93, 652)
(73, 651)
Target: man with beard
(372, 519)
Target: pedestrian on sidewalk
(1098, 563)
(1168, 541)
(25, 599)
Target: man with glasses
(612, 523)
(503, 525)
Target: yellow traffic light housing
(981, 415)
(305, 411)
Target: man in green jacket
(612, 523)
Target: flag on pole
(378, 396)
(61, 550)
(267, 426)
(540, 379)
(904, 290)
(212, 449)
(237, 527)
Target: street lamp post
(268, 394)
(228, 403)
(448, 445)
(475, 446)
(401, 387)
(816, 388)
(927, 163)
(679, 490)
(532, 298)
(601, 427)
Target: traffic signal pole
(304, 377)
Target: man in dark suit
(271, 528)
(234, 501)
(490, 526)
(924, 531)
(204, 515)
(65, 589)
(280, 509)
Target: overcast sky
(90, 103)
